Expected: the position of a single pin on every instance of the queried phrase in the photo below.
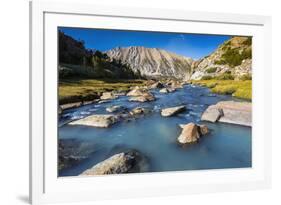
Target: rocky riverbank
(139, 93)
(225, 111)
(239, 113)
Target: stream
(226, 146)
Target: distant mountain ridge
(231, 60)
(153, 62)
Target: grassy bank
(76, 90)
(236, 88)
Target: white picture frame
(46, 187)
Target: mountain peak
(153, 62)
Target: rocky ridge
(153, 62)
(233, 57)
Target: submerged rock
(72, 151)
(191, 133)
(96, 121)
(203, 129)
(103, 101)
(59, 110)
(70, 105)
(167, 90)
(125, 162)
(132, 115)
(107, 96)
(239, 113)
(139, 111)
(119, 93)
(170, 90)
(115, 108)
(164, 90)
(167, 112)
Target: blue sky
(190, 45)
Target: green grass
(236, 88)
(76, 90)
(246, 77)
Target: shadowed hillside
(77, 61)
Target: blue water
(227, 146)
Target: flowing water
(227, 146)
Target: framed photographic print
(130, 102)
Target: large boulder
(102, 121)
(144, 97)
(136, 92)
(167, 112)
(107, 96)
(192, 132)
(189, 134)
(125, 162)
(212, 114)
(239, 113)
(140, 95)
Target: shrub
(248, 42)
(245, 77)
(220, 62)
(247, 53)
(206, 77)
(211, 70)
(225, 76)
(233, 58)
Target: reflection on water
(227, 146)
